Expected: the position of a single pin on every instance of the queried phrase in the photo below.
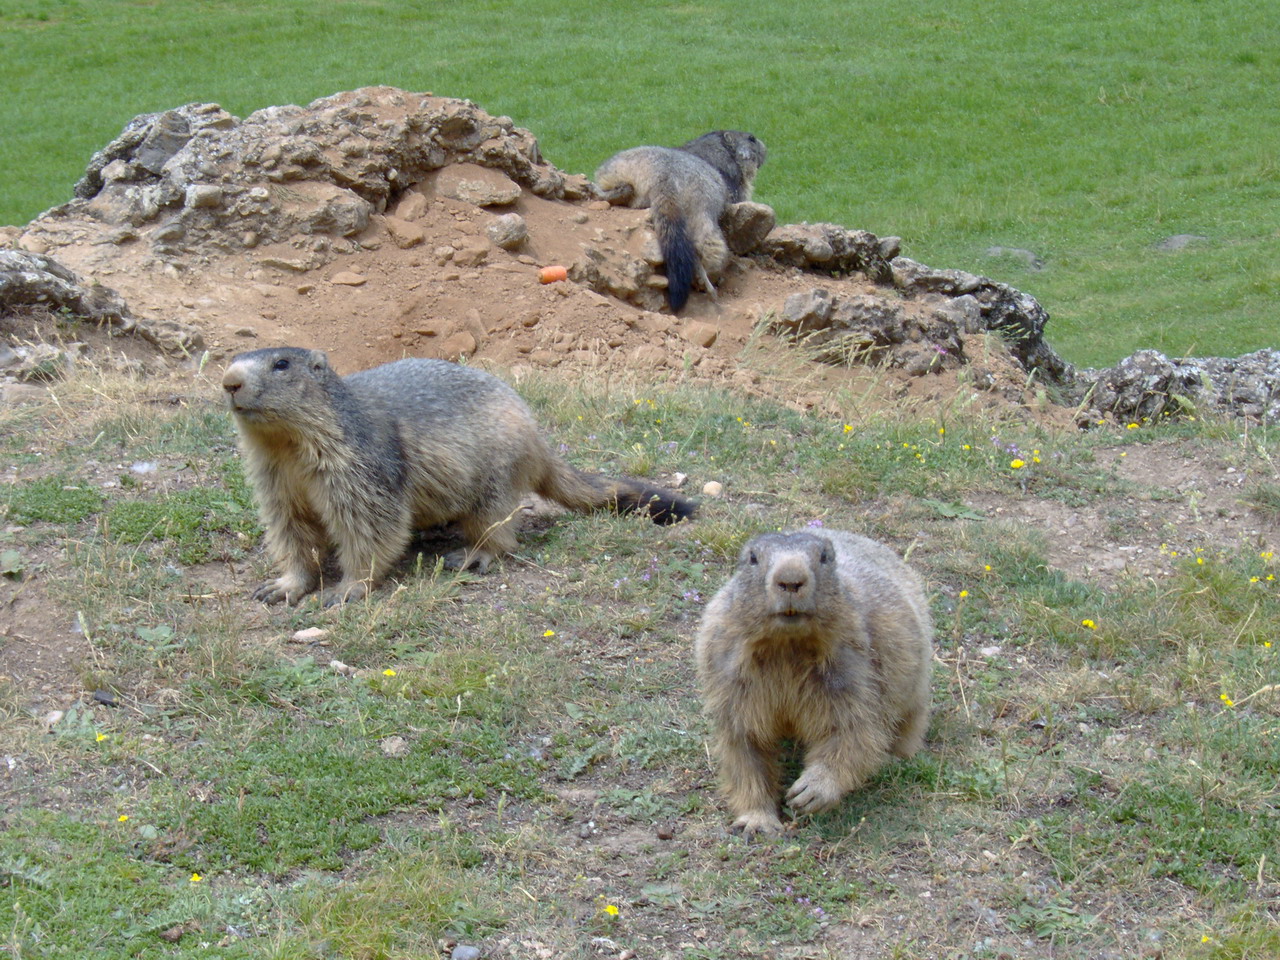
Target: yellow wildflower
(388, 672)
(1088, 623)
(548, 633)
(1016, 465)
(963, 594)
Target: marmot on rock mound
(824, 638)
(358, 463)
(687, 189)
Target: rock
(463, 952)
(804, 312)
(457, 346)
(1180, 241)
(325, 208)
(473, 253)
(699, 333)
(472, 184)
(342, 669)
(319, 169)
(394, 746)
(746, 224)
(1029, 258)
(203, 195)
(411, 206)
(964, 311)
(1017, 316)
(1149, 384)
(617, 273)
(403, 233)
(309, 635)
(347, 278)
(713, 488)
(172, 336)
(827, 247)
(40, 362)
(507, 231)
(34, 279)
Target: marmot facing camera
(822, 637)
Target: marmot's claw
(763, 822)
(270, 592)
(813, 792)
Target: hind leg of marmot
(911, 733)
(706, 283)
(749, 777)
(296, 544)
(490, 534)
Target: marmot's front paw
(815, 790)
(344, 591)
(477, 560)
(757, 821)
(286, 588)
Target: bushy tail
(586, 491)
(678, 250)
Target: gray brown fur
(822, 637)
(686, 189)
(357, 463)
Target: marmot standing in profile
(357, 463)
(687, 189)
(824, 638)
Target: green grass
(1085, 134)
(494, 759)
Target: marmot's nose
(792, 584)
(232, 380)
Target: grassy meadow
(1083, 133)
(517, 761)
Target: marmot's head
(750, 151)
(790, 574)
(278, 384)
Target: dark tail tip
(680, 257)
(662, 506)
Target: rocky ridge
(379, 222)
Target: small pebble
(713, 488)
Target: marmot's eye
(823, 557)
(751, 559)
(280, 364)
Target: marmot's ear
(319, 360)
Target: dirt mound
(378, 224)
